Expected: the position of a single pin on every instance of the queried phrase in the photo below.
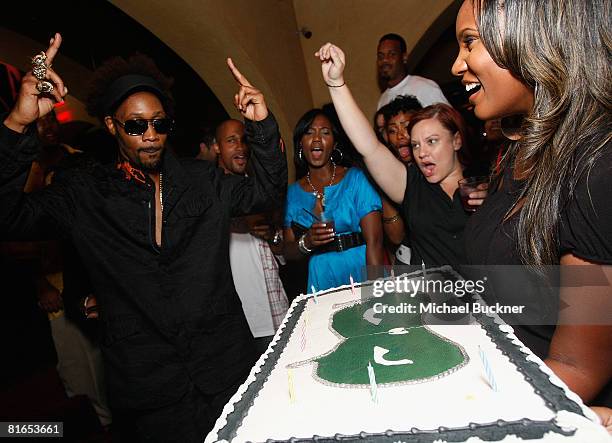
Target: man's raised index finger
(241, 79)
(53, 48)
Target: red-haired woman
(431, 203)
(428, 189)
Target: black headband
(121, 88)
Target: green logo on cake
(397, 345)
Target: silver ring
(40, 72)
(39, 68)
(40, 58)
(44, 87)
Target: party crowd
(175, 272)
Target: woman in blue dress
(326, 190)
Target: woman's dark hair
(451, 119)
(560, 49)
(379, 135)
(401, 103)
(301, 168)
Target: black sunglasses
(139, 126)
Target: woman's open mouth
(472, 89)
(316, 153)
(428, 168)
(404, 153)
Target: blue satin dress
(348, 202)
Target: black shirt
(435, 222)
(492, 248)
(585, 230)
(585, 227)
(169, 316)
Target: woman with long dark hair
(551, 204)
(327, 189)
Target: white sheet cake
(434, 382)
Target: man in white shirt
(391, 63)
(252, 247)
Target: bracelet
(85, 305)
(391, 219)
(335, 86)
(277, 239)
(302, 245)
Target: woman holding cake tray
(333, 212)
(551, 201)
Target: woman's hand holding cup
(473, 191)
(319, 234)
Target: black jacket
(168, 315)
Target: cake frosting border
(545, 383)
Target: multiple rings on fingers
(39, 67)
(44, 86)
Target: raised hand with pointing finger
(147, 205)
(249, 100)
(41, 89)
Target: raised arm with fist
(332, 65)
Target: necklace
(320, 194)
(161, 192)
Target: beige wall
(259, 36)
(262, 37)
(355, 26)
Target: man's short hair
(217, 138)
(394, 37)
(401, 103)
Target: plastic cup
(469, 185)
(328, 219)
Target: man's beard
(149, 162)
(385, 71)
(147, 166)
(384, 76)
(150, 166)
